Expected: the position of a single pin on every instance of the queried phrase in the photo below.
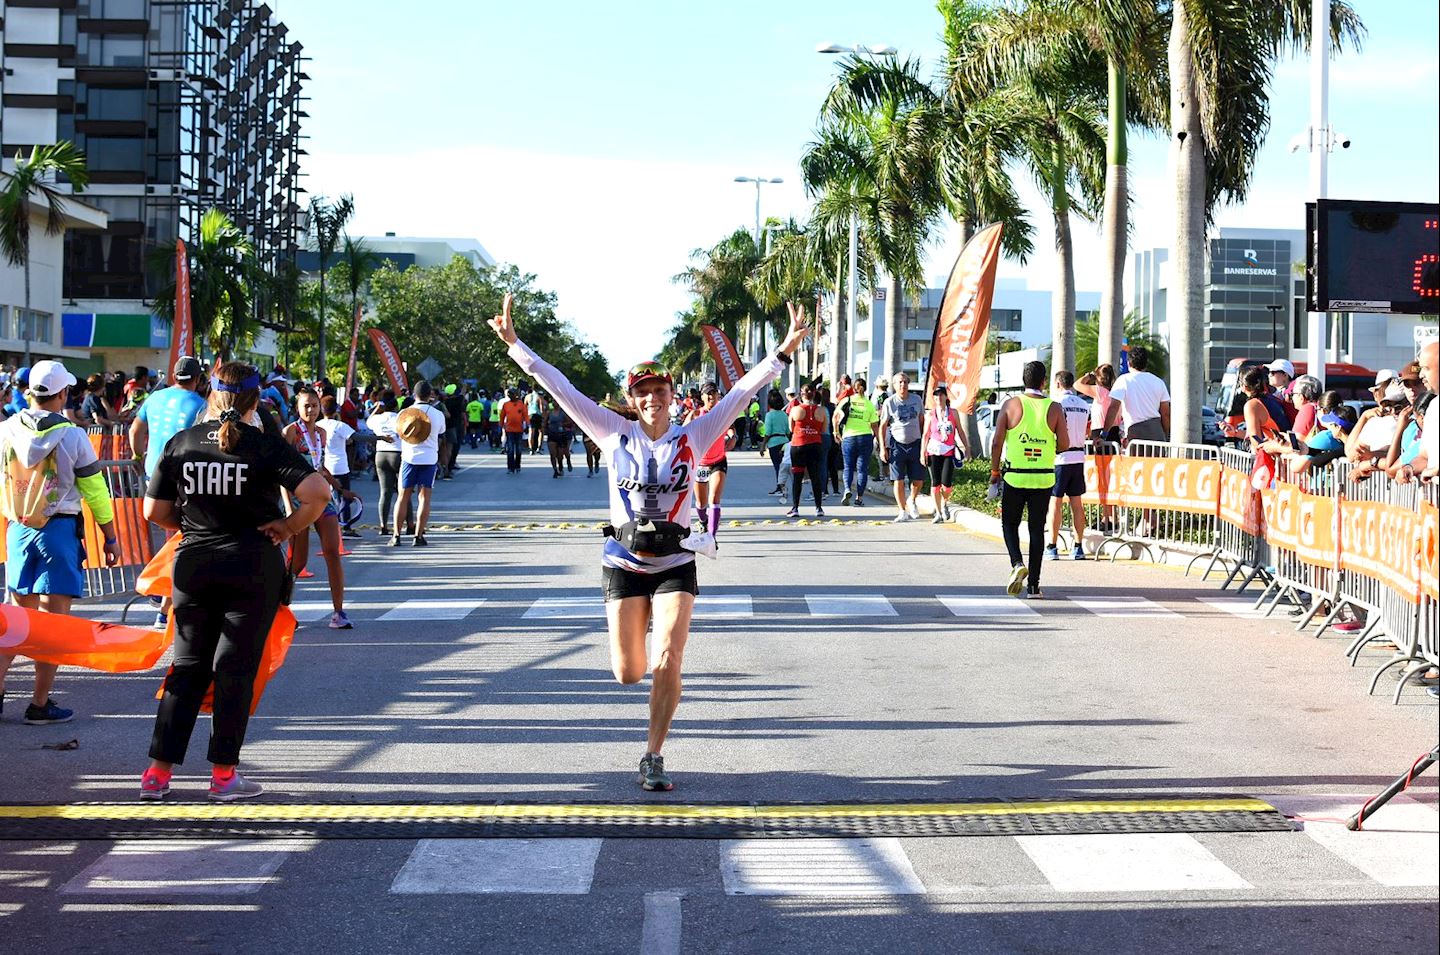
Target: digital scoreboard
(1372, 257)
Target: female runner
(647, 572)
(714, 465)
(306, 436)
(943, 448)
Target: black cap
(187, 368)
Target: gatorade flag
(957, 350)
(354, 341)
(182, 336)
(390, 358)
(1124, 356)
(727, 359)
(70, 641)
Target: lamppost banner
(727, 360)
(354, 342)
(957, 351)
(390, 358)
(182, 338)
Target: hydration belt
(648, 538)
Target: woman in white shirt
(387, 456)
(338, 436)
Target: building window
(1006, 319)
(914, 350)
(912, 318)
(115, 155)
(5, 322)
(34, 326)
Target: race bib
(702, 475)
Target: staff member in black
(219, 483)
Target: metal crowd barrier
(110, 441)
(1167, 499)
(139, 540)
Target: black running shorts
(620, 583)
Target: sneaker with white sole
(151, 787)
(902, 516)
(236, 787)
(1052, 552)
(339, 620)
(653, 777)
(1079, 553)
(47, 714)
(1016, 585)
(914, 511)
(845, 501)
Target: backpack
(28, 491)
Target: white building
(405, 251)
(42, 324)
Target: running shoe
(845, 501)
(339, 621)
(152, 788)
(902, 517)
(1052, 552)
(395, 541)
(47, 714)
(350, 532)
(652, 774)
(1033, 593)
(913, 510)
(236, 787)
(939, 518)
(1018, 573)
(819, 513)
(1078, 553)
(420, 541)
(159, 623)
(793, 512)
(859, 500)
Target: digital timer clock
(1372, 256)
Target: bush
(972, 480)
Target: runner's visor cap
(647, 371)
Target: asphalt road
(844, 661)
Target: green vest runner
(1030, 446)
(862, 415)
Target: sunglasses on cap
(645, 371)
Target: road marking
(311, 611)
(433, 609)
(817, 867)
(1396, 848)
(987, 607)
(660, 933)
(849, 605)
(185, 867)
(489, 866)
(567, 608)
(724, 605)
(1242, 607)
(1128, 862)
(1122, 607)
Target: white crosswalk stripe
(1122, 607)
(433, 609)
(724, 605)
(849, 605)
(1128, 862)
(1242, 607)
(185, 867)
(987, 607)
(565, 608)
(485, 866)
(1400, 849)
(817, 867)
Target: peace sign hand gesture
(799, 328)
(503, 323)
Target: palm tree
(684, 351)
(222, 274)
(282, 301)
(719, 278)
(327, 222)
(1117, 45)
(357, 263)
(1137, 333)
(1221, 54)
(26, 188)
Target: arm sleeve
(707, 429)
(594, 420)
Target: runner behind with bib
(714, 465)
(308, 438)
(649, 574)
(1029, 432)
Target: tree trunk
(894, 327)
(320, 355)
(838, 321)
(1117, 204)
(25, 316)
(1062, 305)
(1184, 307)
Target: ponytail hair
(234, 394)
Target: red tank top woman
(807, 425)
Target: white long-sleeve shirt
(648, 479)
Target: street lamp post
(759, 245)
(851, 310)
(1274, 330)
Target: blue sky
(595, 144)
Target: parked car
(1210, 432)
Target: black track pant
(224, 605)
(387, 469)
(1035, 501)
(806, 459)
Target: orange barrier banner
(1427, 546)
(131, 529)
(1379, 541)
(1174, 484)
(1100, 487)
(1317, 531)
(1240, 503)
(1282, 515)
